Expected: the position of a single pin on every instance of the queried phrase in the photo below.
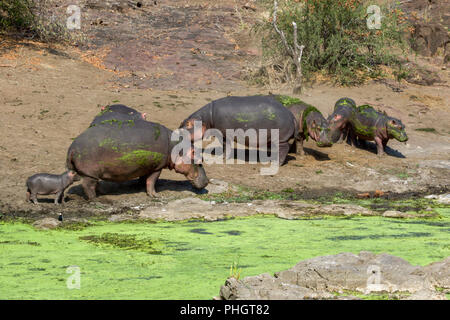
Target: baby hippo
(44, 183)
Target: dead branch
(295, 52)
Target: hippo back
(117, 111)
(252, 112)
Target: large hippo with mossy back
(251, 112)
(367, 124)
(123, 150)
(310, 121)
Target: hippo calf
(369, 124)
(311, 123)
(44, 184)
(339, 120)
(251, 112)
(117, 112)
(121, 151)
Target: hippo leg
(299, 147)
(293, 147)
(34, 198)
(380, 149)
(352, 138)
(57, 197)
(283, 152)
(151, 181)
(28, 196)
(60, 197)
(89, 186)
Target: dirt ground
(49, 95)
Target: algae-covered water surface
(192, 259)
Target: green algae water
(192, 259)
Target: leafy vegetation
(34, 19)
(337, 40)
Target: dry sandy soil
(49, 95)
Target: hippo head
(396, 129)
(318, 130)
(336, 123)
(195, 173)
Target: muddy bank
(346, 276)
(221, 206)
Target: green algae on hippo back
(348, 102)
(142, 158)
(287, 101)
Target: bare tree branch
(295, 52)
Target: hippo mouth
(403, 138)
(201, 180)
(324, 144)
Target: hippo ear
(144, 115)
(313, 124)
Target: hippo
(124, 150)
(45, 183)
(117, 112)
(249, 112)
(369, 124)
(311, 123)
(339, 120)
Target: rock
(439, 272)
(442, 198)
(120, 217)
(216, 186)
(323, 277)
(426, 295)
(46, 223)
(195, 208)
(428, 37)
(396, 214)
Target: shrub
(337, 40)
(35, 19)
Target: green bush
(337, 41)
(36, 19)
(15, 14)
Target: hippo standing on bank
(118, 112)
(252, 112)
(367, 124)
(45, 183)
(339, 120)
(311, 123)
(122, 150)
